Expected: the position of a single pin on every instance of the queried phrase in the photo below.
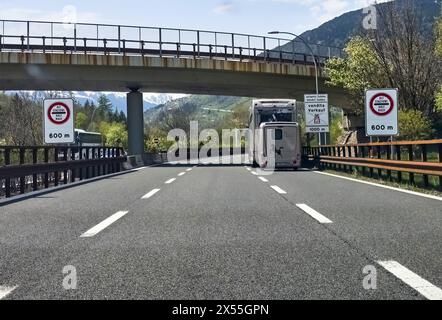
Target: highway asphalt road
(222, 232)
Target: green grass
(382, 179)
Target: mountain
(118, 99)
(338, 31)
(208, 110)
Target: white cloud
(223, 8)
(64, 14)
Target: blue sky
(241, 16)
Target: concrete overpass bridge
(37, 55)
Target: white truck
(277, 120)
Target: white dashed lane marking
(313, 213)
(104, 224)
(181, 174)
(4, 291)
(150, 194)
(425, 288)
(278, 189)
(170, 181)
(263, 179)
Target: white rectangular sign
(316, 113)
(381, 112)
(58, 121)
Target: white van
(287, 145)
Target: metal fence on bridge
(417, 162)
(24, 169)
(84, 38)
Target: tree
(105, 108)
(81, 120)
(21, 123)
(414, 125)
(438, 32)
(359, 71)
(114, 134)
(406, 56)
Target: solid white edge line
(150, 194)
(383, 186)
(278, 189)
(424, 287)
(313, 213)
(170, 181)
(181, 174)
(103, 224)
(4, 291)
(263, 179)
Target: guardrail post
(34, 176)
(160, 38)
(410, 158)
(389, 156)
(22, 161)
(142, 48)
(64, 44)
(240, 53)
(370, 155)
(233, 46)
(378, 151)
(104, 46)
(73, 170)
(80, 157)
(398, 157)
(424, 159)
(56, 172)
(124, 47)
(225, 52)
(198, 42)
(210, 51)
(177, 50)
(27, 34)
(440, 161)
(44, 44)
(363, 156)
(22, 38)
(85, 45)
(1, 43)
(7, 180)
(46, 160)
(65, 172)
(194, 51)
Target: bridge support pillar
(135, 122)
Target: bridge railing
(24, 169)
(415, 162)
(41, 36)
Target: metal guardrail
(379, 160)
(84, 38)
(24, 169)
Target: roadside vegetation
(397, 55)
(22, 119)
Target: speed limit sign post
(381, 112)
(58, 117)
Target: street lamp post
(311, 52)
(314, 62)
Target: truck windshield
(273, 117)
